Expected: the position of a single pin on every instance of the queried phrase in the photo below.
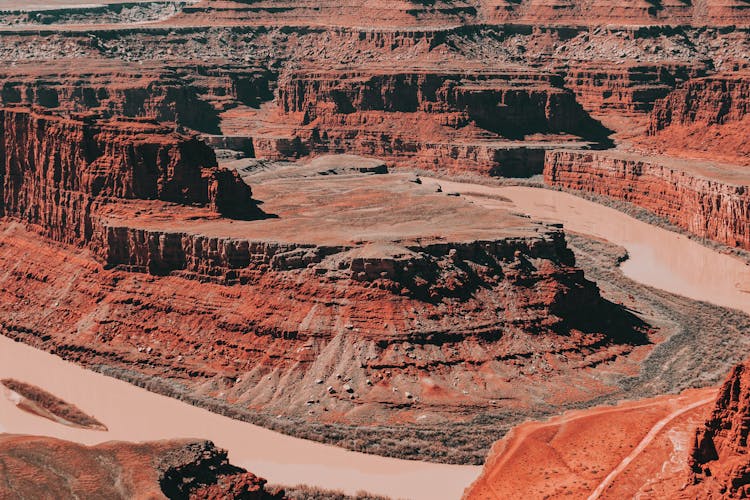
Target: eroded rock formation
(368, 301)
(411, 12)
(719, 458)
(42, 467)
(354, 297)
(56, 172)
(707, 117)
(707, 199)
(492, 122)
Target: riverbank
(696, 345)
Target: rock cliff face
(410, 12)
(368, 302)
(631, 88)
(56, 171)
(641, 12)
(512, 104)
(493, 122)
(42, 467)
(181, 92)
(707, 200)
(707, 117)
(719, 459)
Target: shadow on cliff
(615, 321)
(247, 211)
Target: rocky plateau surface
(339, 300)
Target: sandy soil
(606, 452)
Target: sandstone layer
(705, 117)
(498, 123)
(546, 86)
(344, 301)
(414, 13)
(706, 199)
(720, 467)
(41, 467)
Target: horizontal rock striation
(306, 12)
(712, 100)
(411, 12)
(364, 301)
(57, 171)
(362, 324)
(631, 88)
(708, 200)
(511, 104)
(640, 12)
(705, 117)
(185, 93)
(719, 458)
(491, 122)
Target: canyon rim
(374, 249)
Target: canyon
(395, 227)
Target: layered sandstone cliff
(411, 12)
(706, 199)
(493, 122)
(706, 117)
(719, 458)
(182, 92)
(56, 172)
(347, 299)
(41, 467)
(631, 89)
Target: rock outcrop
(708, 200)
(412, 12)
(183, 93)
(491, 122)
(328, 290)
(629, 89)
(57, 172)
(42, 467)
(719, 458)
(706, 117)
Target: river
(657, 257)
